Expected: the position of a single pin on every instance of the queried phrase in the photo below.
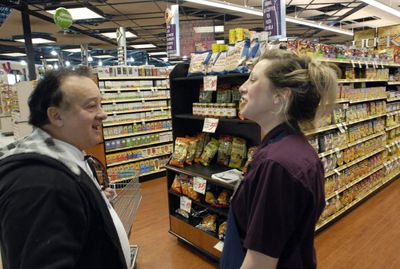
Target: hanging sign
(172, 22)
(62, 18)
(274, 13)
(210, 83)
(199, 185)
(210, 125)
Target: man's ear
(54, 116)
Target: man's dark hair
(48, 93)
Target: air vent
(373, 18)
(334, 7)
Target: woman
(274, 210)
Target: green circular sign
(62, 18)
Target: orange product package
(180, 151)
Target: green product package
(224, 150)
(238, 154)
(209, 152)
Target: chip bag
(179, 155)
(209, 152)
(238, 154)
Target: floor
(367, 238)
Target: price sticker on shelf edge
(186, 204)
(199, 185)
(219, 246)
(210, 125)
(210, 83)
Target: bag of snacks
(209, 152)
(236, 57)
(218, 68)
(203, 140)
(179, 155)
(205, 96)
(209, 223)
(250, 155)
(185, 185)
(198, 63)
(192, 150)
(223, 198)
(182, 212)
(224, 96)
(210, 196)
(222, 230)
(238, 154)
(192, 194)
(212, 61)
(176, 185)
(224, 149)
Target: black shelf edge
(192, 117)
(218, 210)
(197, 170)
(227, 76)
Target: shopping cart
(126, 199)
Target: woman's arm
(257, 260)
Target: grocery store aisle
(158, 248)
(367, 238)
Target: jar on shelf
(230, 110)
(196, 109)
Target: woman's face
(258, 100)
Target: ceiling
(146, 20)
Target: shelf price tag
(366, 64)
(210, 125)
(359, 64)
(210, 83)
(185, 204)
(382, 65)
(336, 171)
(353, 64)
(199, 185)
(219, 246)
(340, 126)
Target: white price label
(119, 91)
(186, 204)
(353, 64)
(359, 64)
(366, 64)
(210, 125)
(210, 83)
(336, 171)
(340, 126)
(382, 65)
(219, 246)
(199, 185)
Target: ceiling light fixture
(258, 12)
(100, 63)
(143, 46)
(56, 66)
(23, 62)
(52, 60)
(103, 56)
(36, 40)
(383, 7)
(90, 59)
(73, 50)
(209, 29)
(80, 13)
(14, 54)
(113, 35)
(157, 53)
(53, 52)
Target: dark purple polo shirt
(281, 198)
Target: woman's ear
(54, 116)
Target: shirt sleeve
(43, 220)
(275, 199)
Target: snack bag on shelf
(181, 149)
(210, 196)
(250, 155)
(184, 185)
(224, 149)
(218, 68)
(209, 152)
(205, 96)
(236, 57)
(222, 230)
(193, 143)
(214, 57)
(203, 140)
(223, 198)
(209, 223)
(192, 194)
(239, 151)
(198, 63)
(176, 185)
(182, 212)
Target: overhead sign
(274, 13)
(172, 22)
(62, 18)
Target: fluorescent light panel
(209, 29)
(102, 56)
(157, 53)
(14, 54)
(383, 7)
(257, 12)
(72, 50)
(80, 13)
(113, 35)
(52, 60)
(143, 46)
(220, 41)
(36, 40)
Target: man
(52, 211)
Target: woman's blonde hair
(312, 85)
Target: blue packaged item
(198, 63)
(237, 56)
(217, 64)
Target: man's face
(81, 112)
